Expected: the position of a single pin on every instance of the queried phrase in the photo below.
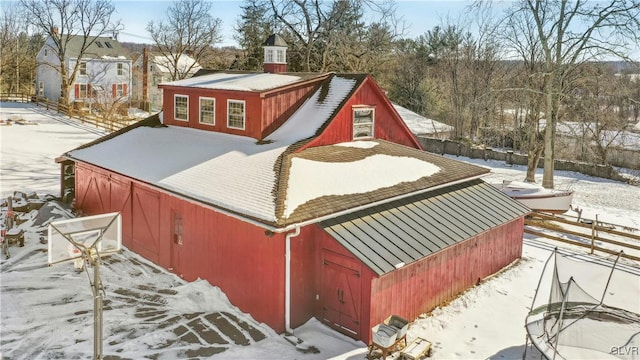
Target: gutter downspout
(287, 280)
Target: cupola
(275, 54)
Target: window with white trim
(268, 56)
(235, 114)
(181, 107)
(363, 122)
(207, 111)
(120, 67)
(82, 91)
(120, 90)
(280, 55)
(40, 88)
(82, 69)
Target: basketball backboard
(99, 234)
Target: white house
(159, 69)
(104, 73)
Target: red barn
(299, 195)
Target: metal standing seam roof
(388, 236)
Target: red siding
(304, 265)
(279, 106)
(240, 258)
(420, 287)
(253, 110)
(388, 124)
(274, 68)
(264, 112)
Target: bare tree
(520, 36)
(317, 28)
(189, 29)
(252, 28)
(60, 20)
(570, 33)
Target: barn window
(207, 111)
(120, 67)
(235, 114)
(280, 56)
(41, 88)
(82, 69)
(363, 122)
(177, 228)
(181, 107)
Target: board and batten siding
(253, 109)
(264, 112)
(387, 123)
(240, 258)
(278, 106)
(420, 287)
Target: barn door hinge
(356, 322)
(324, 262)
(358, 274)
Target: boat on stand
(536, 197)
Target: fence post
(593, 234)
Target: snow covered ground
(46, 312)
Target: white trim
(175, 96)
(373, 122)
(82, 62)
(200, 110)
(287, 280)
(244, 113)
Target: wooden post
(593, 233)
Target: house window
(280, 55)
(82, 91)
(268, 56)
(46, 52)
(181, 107)
(121, 90)
(99, 44)
(208, 111)
(120, 68)
(235, 114)
(41, 88)
(363, 119)
(108, 44)
(83, 68)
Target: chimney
(145, 78)
(275, 55)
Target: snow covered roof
(185, 64)
(420, 125)
(237, 81)
(268, 181)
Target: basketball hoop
(85, 240)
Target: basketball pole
(97, 308)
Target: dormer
(275, 54)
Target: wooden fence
(585, 233)
(112, 124)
